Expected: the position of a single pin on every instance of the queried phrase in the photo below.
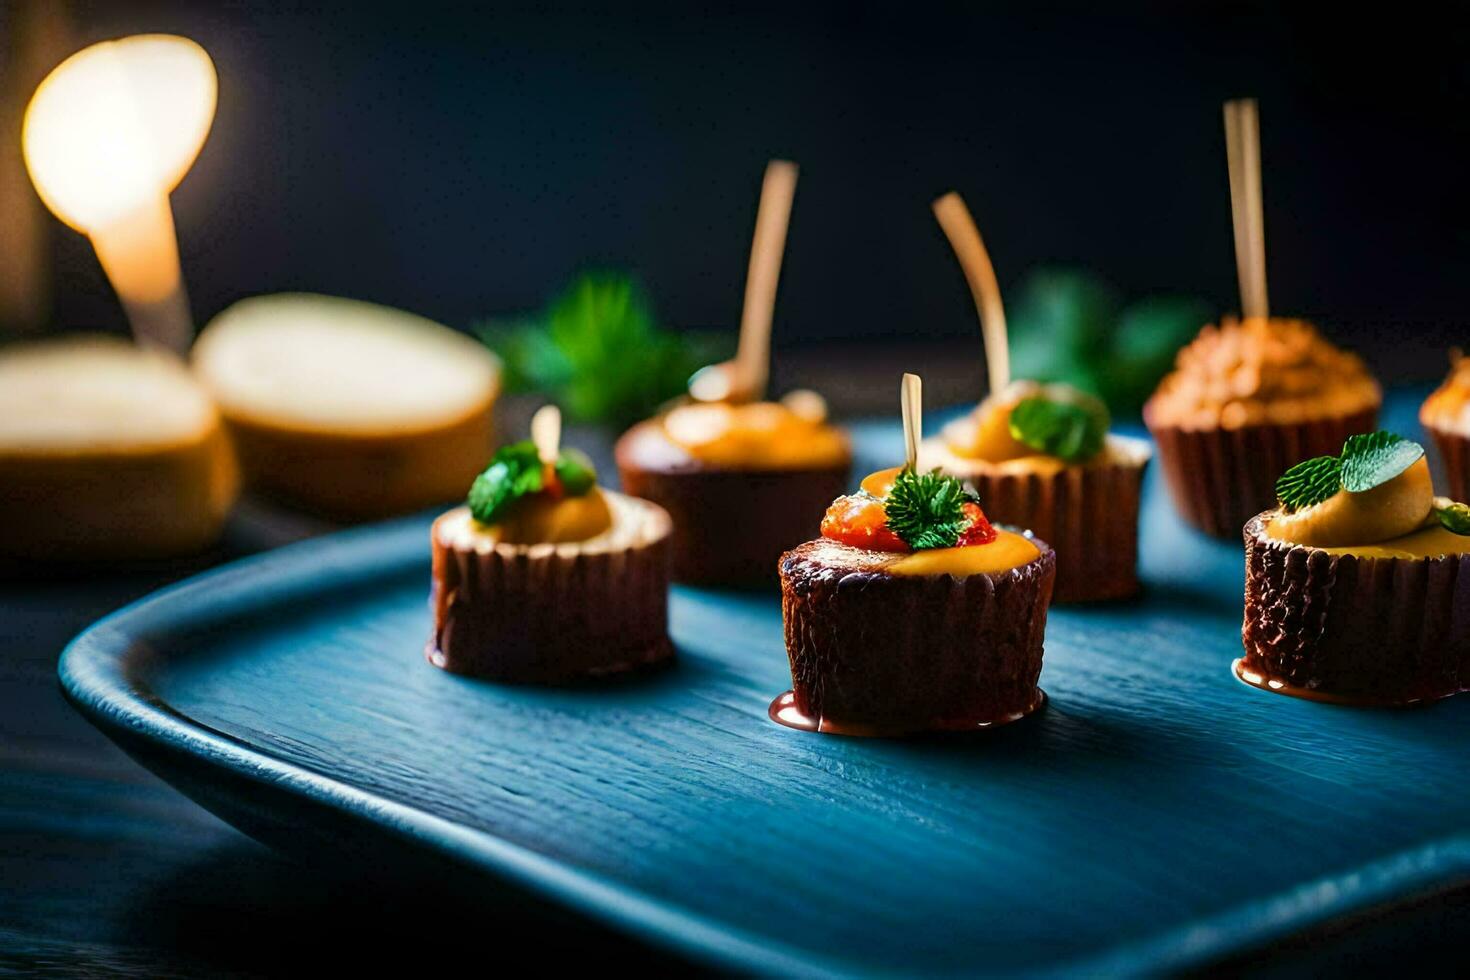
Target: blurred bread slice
(108, 452)
(349, 409)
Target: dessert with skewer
(1040, 456)
(1253, 395)
(741, 476)
(912, 612)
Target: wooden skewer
(1238, 222)
(1243, 153)
(1250, 147)
(911, 396)
(773, 216)
(969, 248)
(546, 433)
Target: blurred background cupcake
(1445, 415)
(1254, 395)
(1040, 456)
(1247, 399)
(741, 475)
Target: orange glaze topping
(756, 435)
(861, 520)
(878, 484)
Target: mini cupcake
(913, 613)
(543, 577)
(1445, 415)
(1040, 457)
(741, 481)
(1356, 583)
(1246, 400)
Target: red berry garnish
(979, 530)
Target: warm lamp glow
(107, 136)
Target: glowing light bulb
(107, 136)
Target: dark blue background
(465, 162)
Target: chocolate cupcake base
(1087, 511)
(551, 613)
(1219, 478)
(1353, 629)
(730, 526)
(875, 653)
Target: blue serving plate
(1158, 815)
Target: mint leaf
(1070, 429)
(926, 510)
(1309, 482)
(1373, 459)
(514, 472)
(1454, 516)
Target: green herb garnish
(1453, 516)
(1373, 459)
(516, 472)
(1367, 461)
(598, 351)
(1072, 428)
(575, 471)
(1309, 482)
(926, 510)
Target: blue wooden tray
(1158, 814)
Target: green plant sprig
(516, 472)
(1367, 461)
(1070, 325)
(597, 351)
(926, 510)
(1072, 428)
(1452, 516)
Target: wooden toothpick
(1243, 153)
(969, 248)
(773, 216)
(546, 433)
(911, 396)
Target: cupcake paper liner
(1220, 478)
(877, 653)
(1351, 628)
(553, 612)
